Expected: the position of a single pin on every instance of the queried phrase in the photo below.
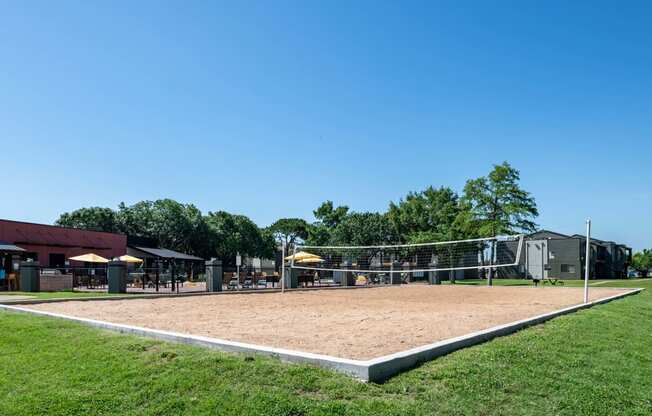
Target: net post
(392, 274)
(519, 250)
(492, 253)
(433, 275)
(587, 260)
(283, 267)
(345, 278)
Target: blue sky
(269, 108)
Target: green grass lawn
(594, 362)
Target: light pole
(587, 260)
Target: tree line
(642, 262)
(181, 227)
(490, 205)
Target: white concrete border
(349, 366)
(157, 295)
(376, 369)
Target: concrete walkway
(617, 280)
(4, 298)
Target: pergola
(154, 256)
(7, 253)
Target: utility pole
(587, 261)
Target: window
(57, 260)
(567, 268)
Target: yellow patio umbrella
(130, 259)
(309, 260)
(90, 258)
(301, 255)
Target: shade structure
(130, 259)
(90, 258)
(309, 260)
(8, 247)
(301, 255)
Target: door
(537, 259)
(57, 260)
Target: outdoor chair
(233, 282)
(12, 281)
(181, 279)
(135, 281)
(248, 282)
(549, 280)
(164, 279)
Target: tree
(435, 215)
(198, 242)
(92, 218)
(289, 230)
(327, 218)
(169, 223)
(137, 220)
(499, 205)
(425, 216)
(642, 262)
(318, 235)
(364, 228)
(232, 234)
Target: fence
(139, 279)
(162, 279)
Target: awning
(7, 247)
(90, 258)
(165, 253)
(302, 255)
(130, 259)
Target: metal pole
(173, 276)
(283, 267)
(587, 260)
(237, 273)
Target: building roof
(4, 246)
(601, 242)
(594, 240)
(166, 253)
(57, 226)
(556, 234)
(26, 233)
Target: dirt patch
(358, 324)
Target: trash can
(344, 277)
(291, 278)
(30, 276)
(214, 275)
(117, 277)
(395, 274)
(434, 278)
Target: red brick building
(51, 246)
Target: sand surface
(358, 324)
